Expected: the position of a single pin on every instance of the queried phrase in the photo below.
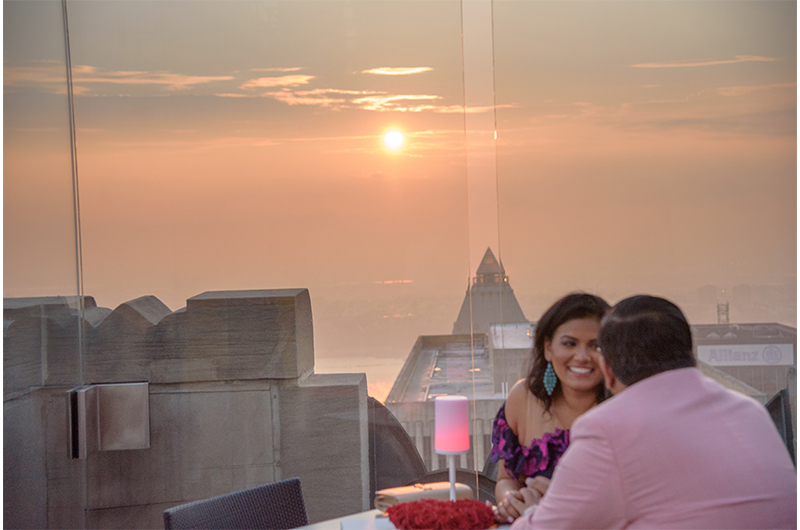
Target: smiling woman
(393, 140)
(531, 430)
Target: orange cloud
(316, 97)
(387, 70)
(293, 69)
(680, 64)
(293, 98)
(52, 74)
(373, 100)
(199, 145)
(286, 80)
(337, 91)
(43, 72)
(742, 90)
(470, 110)
(390, 103)
(89, 74)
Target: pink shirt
(676, 450)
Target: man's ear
(608, 375)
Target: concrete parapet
(324, 441)
(220, 336)
(40, 341)
(206, 439)
(234, 403)
(24, 462)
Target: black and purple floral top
(538, 459)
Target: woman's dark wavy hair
(571, 307)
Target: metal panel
(123, 416)
(82, 421)
(109, 417)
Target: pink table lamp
(452, 432)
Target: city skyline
(640, 147)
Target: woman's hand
(527, 497)
(539, 484)
(505, 488)
(507, 511)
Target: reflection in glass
(246, 165)
(41, 305)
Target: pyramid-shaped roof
(490, 264)
(489, 300)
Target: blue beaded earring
(550, 379)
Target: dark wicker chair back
(273, 506)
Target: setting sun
(393, 139)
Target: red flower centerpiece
(430, 514)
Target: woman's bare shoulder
(519, 391)
(524, 412)
(516, 403)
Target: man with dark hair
(644, 336)
(672, 448)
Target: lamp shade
(452, 425)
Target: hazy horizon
(640, 147)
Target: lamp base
(451, 459)
(451, 463)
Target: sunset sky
(641, 147)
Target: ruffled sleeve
(504, 442)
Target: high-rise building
(761, 355)
(489, 300)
